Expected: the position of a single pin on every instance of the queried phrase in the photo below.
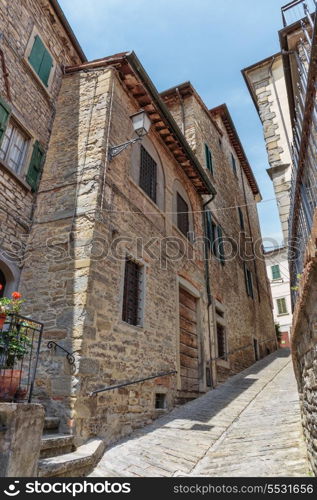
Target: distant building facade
(278, 274)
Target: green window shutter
(276, 273)
(35, 167)
(234, 166)
(45, 68)
(221, 254)
(41, 60)
(241, 218)
(4, 116)
(209, 229)
(208, 156)
(248, 281)
(37, 54)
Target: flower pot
(9, 383)
(2, 320)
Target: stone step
(51, 424)
(76, 464)
(56, 444)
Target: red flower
(1, 286)
(16, 295)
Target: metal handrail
(124, 384)
(69, 355)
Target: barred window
(131, 310)
(148, 174)
(221, 341)
(182, 215)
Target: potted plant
(14, 344)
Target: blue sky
(205, 41)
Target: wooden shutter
(35, 167)
(281, 306)
(276, 274)
(182, 215)
(241, 219)
(4, 116)
(234, 166)
(209, 229)
(37, 54)
(41, 60)
(208, 155)
(45, 68)
(221, 254)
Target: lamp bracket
(116, 150)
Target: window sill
(223, 363)
(17, 177)
(283, 314)
(154, 205)
(132, 327)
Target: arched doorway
(3, 282)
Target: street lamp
(141, 126)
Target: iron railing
(69, 355)
(293, 11)
(20, 342)
(132, 382)
(303, 193)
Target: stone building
(36, 42)
(278, 273)
(298, 41)
(138, 264)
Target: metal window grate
(182, 215)
(131, 293)
(160, 401)
(148, 174)
(221, 341)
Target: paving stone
(223, 433)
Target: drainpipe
(207, 279)
(5, 71)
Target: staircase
(59, 456)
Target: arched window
(147, 171)
(182, 210)
(3, 282)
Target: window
(234, 165)
(160, 401)
(248, 281)
(241, 218)
(208, 156)
(256, 349)
(182, 215)
(13, 147)
(148, 174)
(41, 60)
(221, 342)
(281, 306)
(276, 272)
(215, 238)
(131, 310)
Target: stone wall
(304, 338)
(21, 427)
(245, 318)
(33, 108)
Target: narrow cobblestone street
(249, 426)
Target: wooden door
(188, 342)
